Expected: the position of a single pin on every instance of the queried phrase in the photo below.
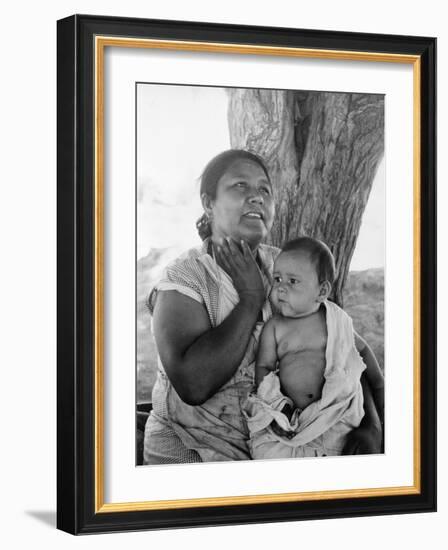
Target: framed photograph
(246, 274)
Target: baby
(316, 399)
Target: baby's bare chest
(301, 336)
(301, 347)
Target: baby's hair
(213, 172)
(319, 253)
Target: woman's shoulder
(184, 274)
(187, 258)
(186, 270)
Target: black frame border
(76, 263)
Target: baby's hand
(280, 431)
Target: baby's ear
(324, 292)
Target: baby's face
(296, 288)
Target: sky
(179, 129)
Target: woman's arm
(373, 374)
(198, 358)
(368, 437)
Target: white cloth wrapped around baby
(321, 428)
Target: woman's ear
(324, 291)
(207, 204)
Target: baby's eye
(294, 281)
(277, 279)
(240, 184)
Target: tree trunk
(322, 150)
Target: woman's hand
(242, 268)
(363, 441)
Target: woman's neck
(218, 240)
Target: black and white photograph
(260, 258)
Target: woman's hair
(213, 172)
(319, 254)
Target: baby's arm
(267, 353)
(374, 375)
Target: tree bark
(322, 150)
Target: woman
(208, 311)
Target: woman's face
(244, 204)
